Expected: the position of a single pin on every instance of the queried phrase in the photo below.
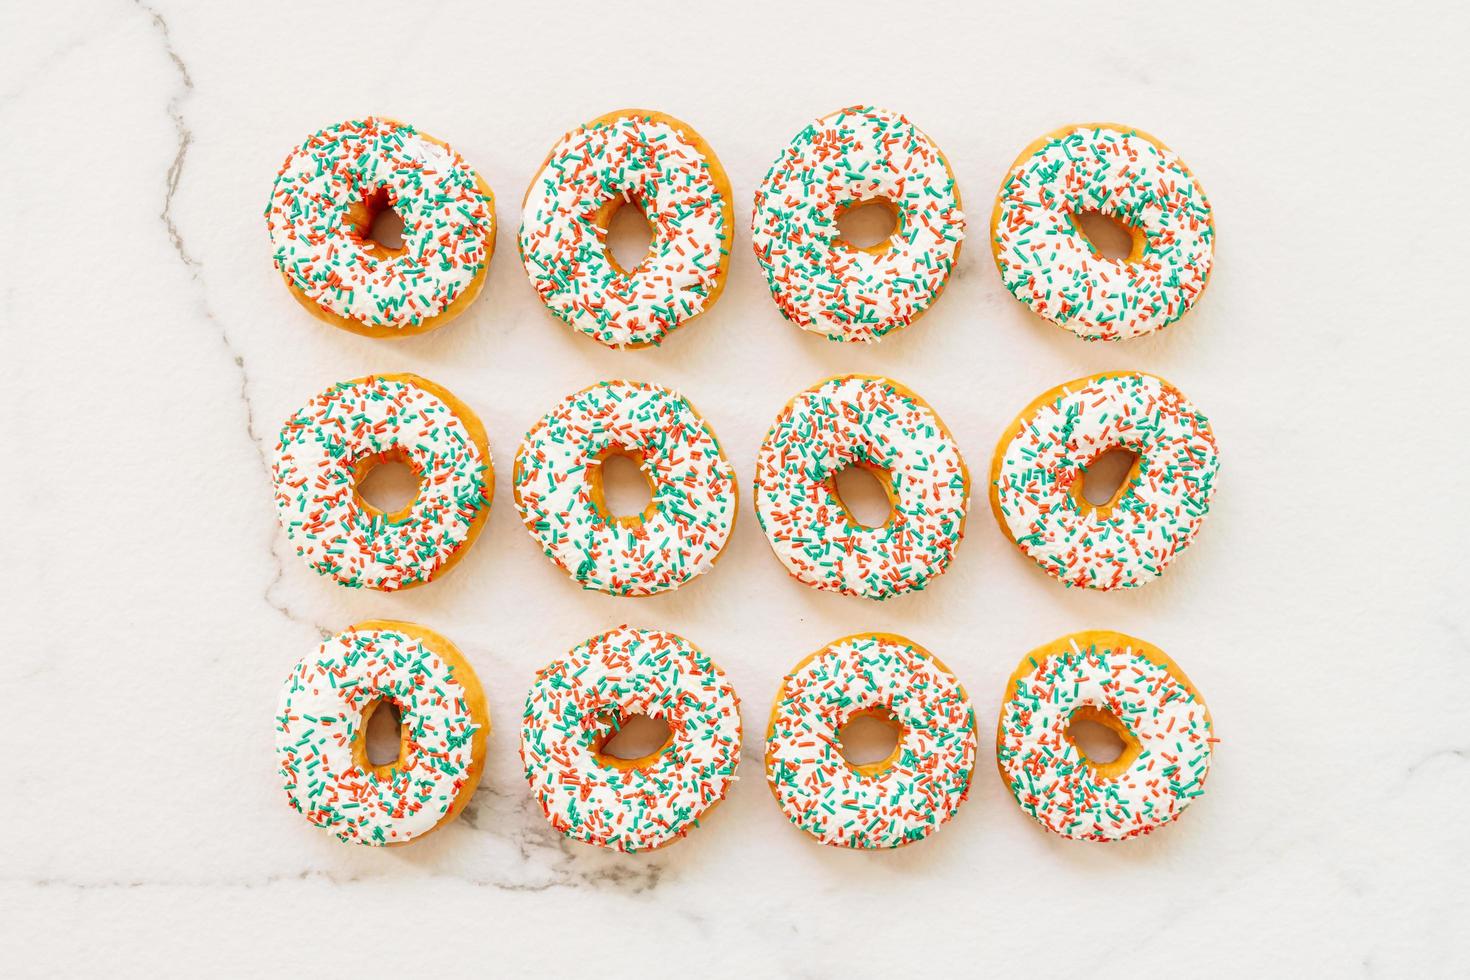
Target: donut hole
(1109, 237)
(863, 491)
(387, 229)
(867, 225)
(869, 740)
(387, 484)
(379, 224)
(1105, 479)
(1096, 741)
(622, 488)
(1102, 739)
(627, 234)
(632, 742)
(382, 734)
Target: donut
(666, 170)
(331, 443)
(578, 703)
(852, 157)
(1049, 264)
(322, 722)
(1128, 686)
(879, 425)
(1037, 475)
(326, 196)
(889, 803)
(558, 489)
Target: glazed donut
(326, 196)
(898, 800)
(578, 703)
(1128, 686)
(1049, 264)
(558, 489)
(665, 169)
(851, 157)
(330, 444)
(879, 425)
(1037, 474)
(322, 722)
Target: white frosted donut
(578, 703)
(895, 801)
(667, 170)
(877, 424)
(1128, 686)
(1049, 265)
(850, 157)
(327, 447)
(1037, 475)
(558, 488)
(323, 717)
(322, 207)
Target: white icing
(1153, 521)
(694, 493)
(316, 493)
(825, 429)
(1051, 267)
(824, 795)
(448, 223)
(320, 718)
(621, 673)
(851, 156)
(657, 166)
(1051, 778)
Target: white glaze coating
(823, 285)
(1161, 510)
(448, 223)
(618, 674)
(694, 494)
(655, 166)
(320, 718)
(316, 491)
(1051, 778)
(823, 794)
(1051, 267)
(851, 420)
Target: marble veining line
(1458, 754)
(563, 860)
(543, 849)
(195, 270)
(616, 877)
(123, 884)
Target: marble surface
(152, 607)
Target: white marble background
(151, 607)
